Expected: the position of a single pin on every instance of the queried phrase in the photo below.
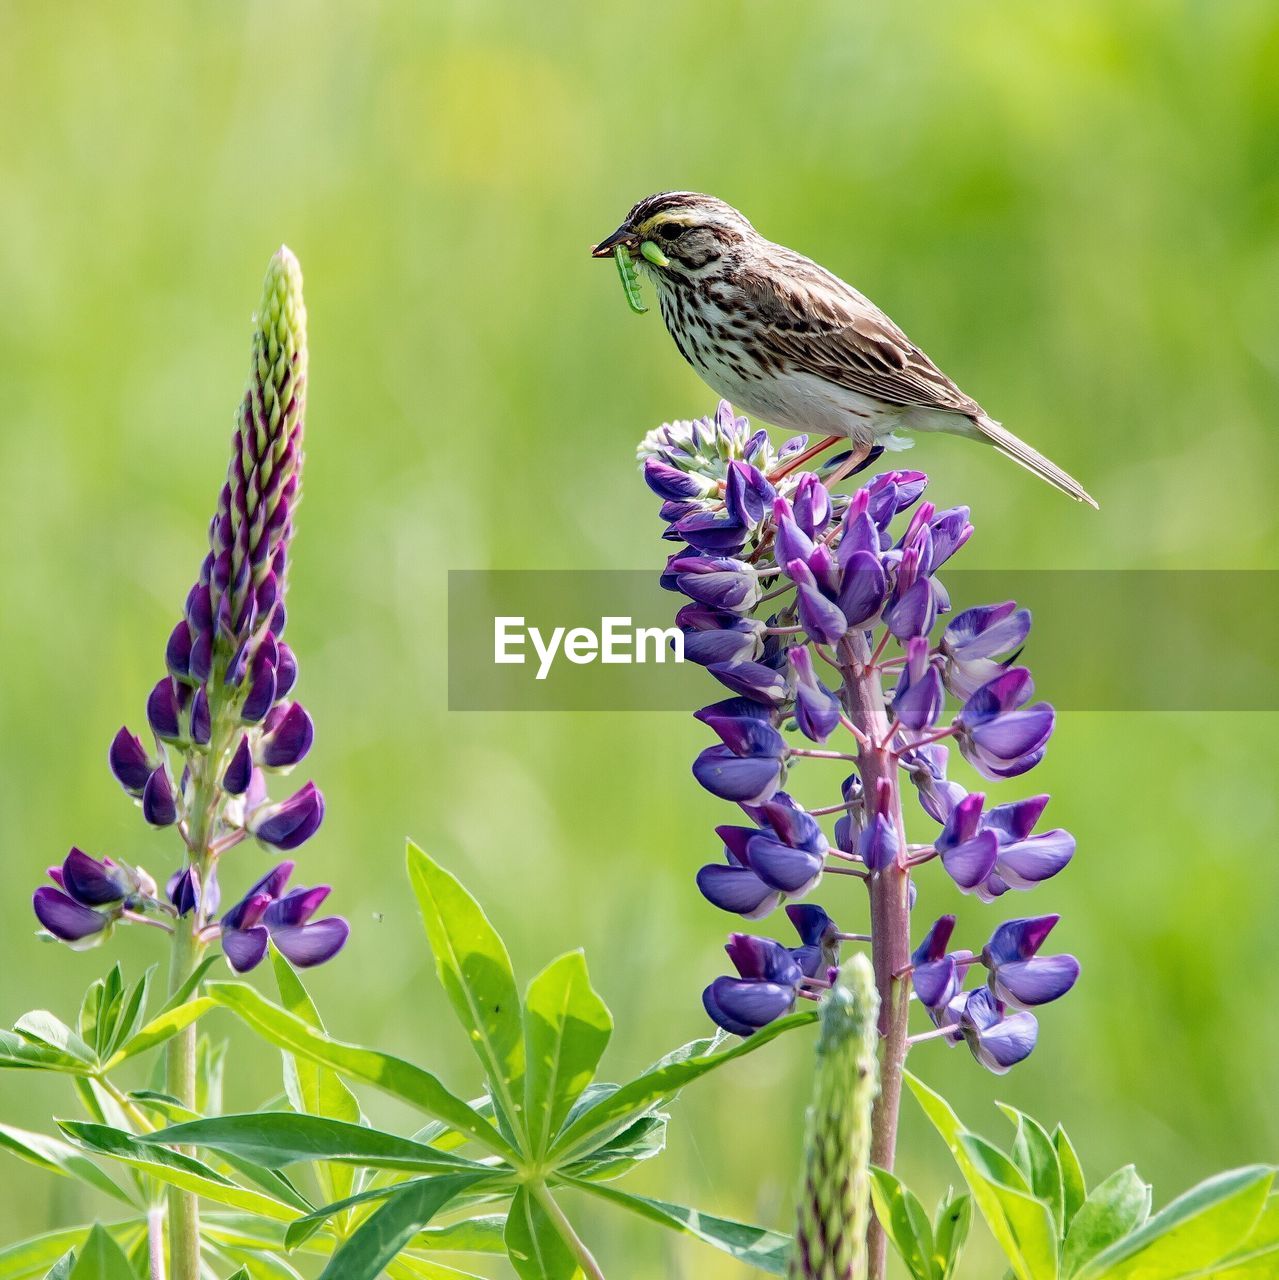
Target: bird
(789, 342)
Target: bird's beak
(623, 235)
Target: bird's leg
(798, 461)
(850, 464)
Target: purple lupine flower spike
(782, 572)
(220, 715)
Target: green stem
(184, 1206)
(577, 1246)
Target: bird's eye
(671, 230)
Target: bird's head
(679, 235)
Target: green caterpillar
(629, 274)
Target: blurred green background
(1072, 207)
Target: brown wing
(825, 327)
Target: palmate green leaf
(475, 971)
(1117, 1206)
(393, 1075)
(1074, 1185)
(536, 1249)
(906, 1223)
(59, 1157)
(383, 1234)
(1191, 1235)
(100, 1258)
(998, 1189)
(1035, 1155)
(619, 1109)
(765, 1250)
(313, 1089)
(176, 1169)
(31, 1259)
(164, 1026)
(276, 1139)
(566, 1030)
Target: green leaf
(495, 1182)
(471, 1235)
(242, 1274)
(17, 1052)
(100, 1011)
(608, 1117)
(42, 1028)
(1257, 1258)
(1074, 1185)
(63, 1267)
(1035, 1155)
(58, 1157)
(380, 1237)
(1029, 1218)
(998, 1189)
(187, 989)
(174, 1168)
(162, 1027)
(210, 1063)
(393, 1075)
(100, 1258)
(31, 1259)
(536, 1249)
(1189, 1236)
(409, 1267)
(133, 1012)
(1116, 1207)
(476, 974)
(566, 1030)
(950, 1230)
(275, 1139)
(905, 1222)
(313, 1089)
(644, 1139)
(761, 1248)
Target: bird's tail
(1019, 451)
